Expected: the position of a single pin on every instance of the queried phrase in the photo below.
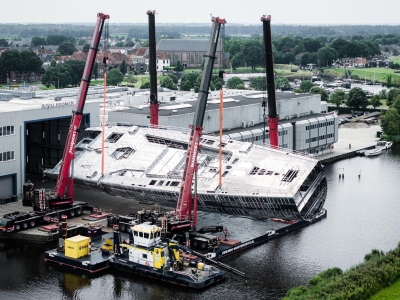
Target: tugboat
(146, 254)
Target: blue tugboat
(145, 254)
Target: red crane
(65, 183)
(154, 104)
(183, 210)
(269, 66)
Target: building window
(192, 58)
(6, 156)
(7, 130)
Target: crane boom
(154, 104)
(64, 188)
(183, 209)
(269, 66)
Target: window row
(319, 125)
(7, 155)
(321, 137)
(6, 130)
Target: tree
(85, 48)
(168, 83)
(390, 122)
(95, 71)
(283, 84)
(395, 52)
(179, 66)
(66, 48)
(234, 82)
(337, 97)
(31, 63)
(326, 55)
(81, 42)
(174, 78)
(215, 83)
(258, 83)
(10, 61)
(375, 101)
(357, 98)
(123, 67)
(396, 104)
(56, 39)
(321, 91)
(252, 51)
(305, 86)
(189, 81)
(3, 43)
(75, 69)
(393, 93)
(38, 41)
(114, 77)
(383, 94)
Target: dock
(352, 138)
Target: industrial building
(34, 127)
(304, 124)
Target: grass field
(367, 74)
(395, 59)
(389, 293)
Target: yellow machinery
(77, 246)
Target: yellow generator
(77, 246)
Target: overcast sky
(198, 11)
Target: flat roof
(47, 98)
(240, 99)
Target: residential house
(191, 52)
(162, 61)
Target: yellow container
(200, 266)
(77, 246)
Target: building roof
(232, 98)
(178, 45)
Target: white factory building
(304, 124)
(34, 127)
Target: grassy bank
(390, 293)
(377, 272)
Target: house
(162, 60)
(361, 62)
(191, 52)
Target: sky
(313, 12)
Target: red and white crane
(186, 202)
(63, 193)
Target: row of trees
(55, 39)
(287, 49)
(25, 62)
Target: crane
(63, 192)
(183, 210)
(269, 66)
(154, 105)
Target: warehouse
(33, 130)
(304, 124)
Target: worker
(44, 177)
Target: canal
(362, 215)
